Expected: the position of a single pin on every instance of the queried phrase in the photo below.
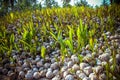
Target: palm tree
(115, 1)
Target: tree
(0, 3)
(34, 2)
(5, 5)
(12, 4)
(50, 3)
(115, 1)
(8, 4)
(55, 4)
(81, 3)
(105, 3)
(40, 5)
(22, 4)
(66, 3)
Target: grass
(69, 26)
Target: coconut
(82, 75)
(57, 77)
(43, 73)
(92, 76)
(78, 72)
(102, 76)
(56, 72)
(75, 67)
(69, 77)
(36, 75)
(70, 64)
(25, 65)
(86, 78)
(47, 65)
(54, 65)
(118, 59)
(99, 69)
(21, 74)
(64, 68)
(35, 69)
(65, 74)
(83, 65)
(39, 64)
(104, 57)
(29, 76)
(49, 74)
(88, 70)
(74, 58)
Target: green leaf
(56, 27)
(80, 58)
(16, 47)
(54, 36)
(1, 34)
(12, 38)
(43, 51)
(91, 43)
(25, 43)
(24, 34)
(70, 34)
(11, 15)
(69, 44)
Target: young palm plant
(82, 35)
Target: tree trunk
(111, 1)
(5, 5)
(12, 4)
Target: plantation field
(77, 43)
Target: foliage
(81, 3)
(43, 51)
(82, 35)
(66, 3)
(50, 3)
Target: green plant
(82, 35)
(92, 40)
(12, 39)
(43, 52)
(27, 36)
(60, 40)
(69, 41)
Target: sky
(94, 2)
(91, 2)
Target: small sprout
(11, 15)
(43, 51)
